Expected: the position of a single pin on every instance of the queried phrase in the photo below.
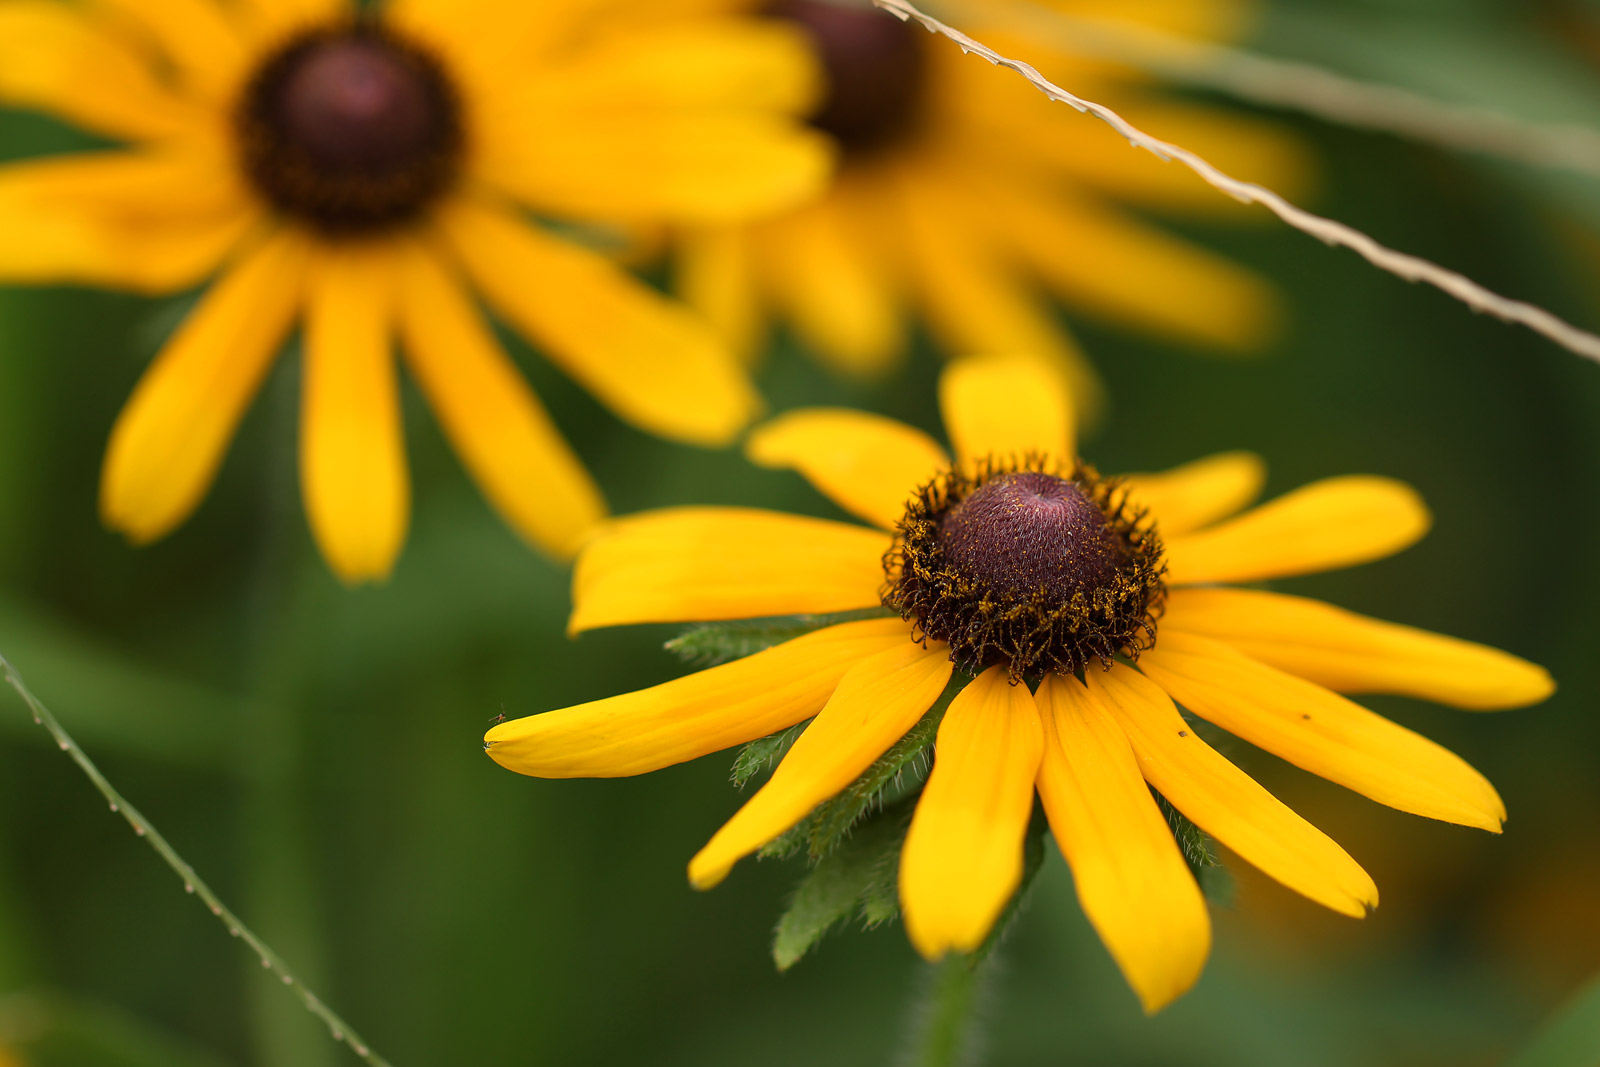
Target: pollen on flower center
(350, 129)
(1030, 565)
(875, 66)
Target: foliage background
(314, 751)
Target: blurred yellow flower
(1018, 564)
(363, 171)
(964, 195)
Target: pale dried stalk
(1411, 268)
(192, 883)
(1308, 89)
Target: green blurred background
(314, 751)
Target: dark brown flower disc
(876, 70)
(350, 129)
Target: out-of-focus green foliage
(316, 751)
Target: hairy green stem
(192, 883)
(945, 1025)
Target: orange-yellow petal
(1227, 803)
(1199, 493)
(877, 701)
(1006, 407)
(697, 564)
(649, 360)
(962, 859)
(1132, 881)
(692, 716)
(1321, 731)
(491, 416)
(1334, 523)
(867, 464)
(169, 439)
(1353, 653)
(196, 36)
(715, 275)
(352, 449)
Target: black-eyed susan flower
(1076, 612)
(966, 198)
(364, 170)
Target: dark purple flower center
(350, 129)
(876, 69)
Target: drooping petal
(491, 416)
(1007, 407)
(61, 61)
(150, 221)
(352, 448)
(1227, 803)
(962, 859)
(647, 359)
(877, 701)
(1132, 881)
(1334, 523)
(1321, 731)
(170, 437)
(699, 564)
(1353, 653)
(1199, 493)
(867, 464)
(692, 716)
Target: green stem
(946, 1020)
(192, 883)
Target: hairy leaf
(709, 644)
(762, 753)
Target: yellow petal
(1128, 272)
(697, 564)
(1227, 803)
(971, 294)
(170, 438)
(692, 716)
(824, 278)
(352, 449)
(1133, 883)
(867, 464)
(1353, 653)
(1334, 523)
(962, 859)
(715, 275)
(194, 35)
(1199, 493)
(492, 418)
(877, 701)
(704, 168)
(60, 61)
(1321, 731)
(151, 221)
(1006, 407)
(269, 22)
(647, 359)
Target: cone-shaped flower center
(1038, 567)
(875, 66)
(1021, 532)
(350, 129)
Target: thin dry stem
(1411, 268)
(1310, 90)
(338, 1029)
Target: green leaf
(857, 878)
(1032, 862)
(1571, 1039)
(762, 753)
(897, 771)
(1195, 844)
(712, 643)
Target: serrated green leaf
(762, 753)
(858, 878)
(712, 643)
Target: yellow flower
(1017, 555)
(364, 174)
(964, 194)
